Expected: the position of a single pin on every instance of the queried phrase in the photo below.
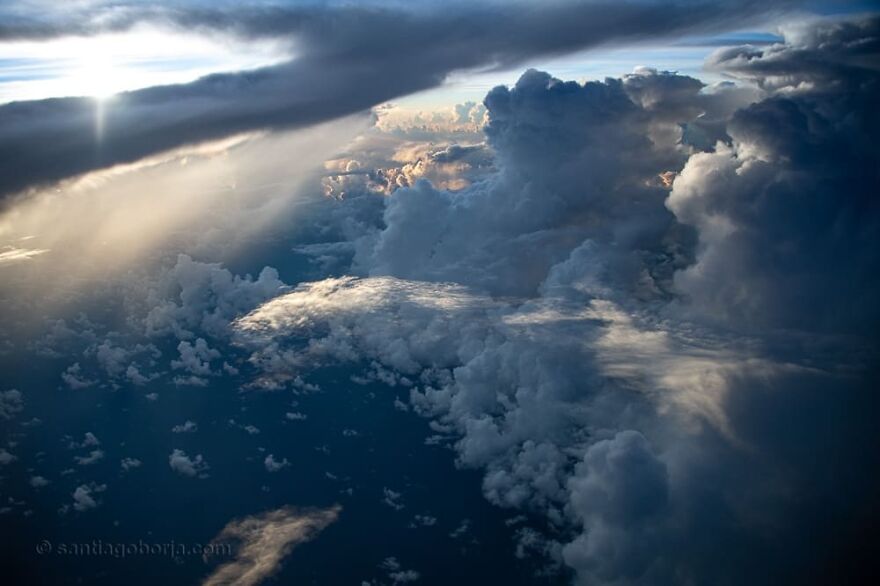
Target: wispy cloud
(263, 541)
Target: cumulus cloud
(130, 464)
(786, 213)
(263, 541)
(73, 377)
(11, 403)
(204, 297)
(452, 166)
(396, 573)
(89, 440)
(196, 358)
(187, 466)
(186, 427)
(576, 161)
(85, 496)
(91, 458)
(662, 343)
(6, 457)
(273, 465)
(39, 481)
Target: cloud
(617, 489)
(447, 166)
(576, 161)
(91, 458)
(11, 254)
(186, 427)
(672, 378)
(89, 440)
(38, 481)
(196, 358)
(6, 457)
(73, 378)
(206, 298)
(130, 464)
(186, 466)
(396, 573)
(273, 465)
(342, 67)
(84, 498)
(263, 541)
(786, 213)
(11, 403)
(816, 56)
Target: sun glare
(106, 64)
(98, 78)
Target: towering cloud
(787, 213)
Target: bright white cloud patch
(105, 64)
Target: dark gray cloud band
(348, 59)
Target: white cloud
(91, 458)
(196, 358)
(11, 403)
(73, 377)
(186, 427)
(38, 481)
(130, 464)
(6, 457)
(186, 466)
(273, 465)
(84, 497)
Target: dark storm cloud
(796, 190)
(348, 59)
(829, 54)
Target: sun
(98, 77)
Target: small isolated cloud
(273, 465)
(462, 528)
(38, 481)
(91, 458)
(423, 521)
(263, 541)
(130, 463)
(84, 496)
(249, 428)
(396, 573)
(296, 416)
(186, 427)
(6, 457)
(186, 466)
(392, 499)
(11, 403)
(89, 440)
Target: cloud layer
(342, 66)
